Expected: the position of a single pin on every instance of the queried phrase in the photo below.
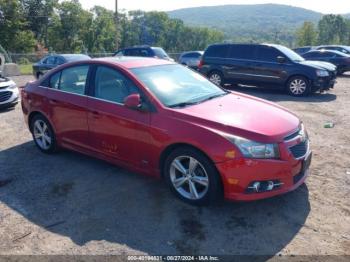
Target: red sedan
(161, 119)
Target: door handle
(53, 101)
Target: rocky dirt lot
(73, 204)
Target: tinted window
(267, 54)
(242, 51)
(311, 55)
(73, 79)
(144, 52)
(217, 51)
(325, 54)
(112, 86)
(51, 60)
(55, 80)
(131, 52)
(59, 61)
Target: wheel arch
(35, 113)
(295, 75)
(170, 148)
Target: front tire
(298, 86)
(216, 77)
(43, 134)
(192, 177)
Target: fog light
(263, 186)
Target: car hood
(244, 116)
(319, 65)
(5, 82)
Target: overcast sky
(323, 6)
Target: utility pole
(116, 26)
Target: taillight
(201, 63)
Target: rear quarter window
(242, 52)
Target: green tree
(38, 14)
(332, 30)
(307, 35)
(14, 35)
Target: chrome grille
(4, 96)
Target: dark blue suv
(144, 51)
(266, 65)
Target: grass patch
(26, 69)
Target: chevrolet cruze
(164, 120)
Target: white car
(9, 93)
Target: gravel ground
(73, 204)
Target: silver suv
(9, 93)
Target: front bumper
(324, 83)
(8, 97)
(238, 174)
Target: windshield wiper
(214, 96)
(183, 104)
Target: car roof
(342, 46)
(328, 51)
(134, 61)
(190, 52)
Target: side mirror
(133, 101)
(281, 59)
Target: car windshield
(159, 52)
(291, 54)
(177, 86)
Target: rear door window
(73, 79)
(242, 52)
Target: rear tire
(43, 134)
(298, 86)
(192, 177)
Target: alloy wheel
(189, 177)
(42, 134)
(215, 78)
(298, 86)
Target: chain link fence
(30, 58)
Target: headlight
(322, 73)
(252, 149)
(12, 86)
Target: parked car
(144, 51)
(266, 65)
(341, 60)
(51, 61)
(9, 93)
(341, 48)
(162, 119)
(191, 58)
(303, 50)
